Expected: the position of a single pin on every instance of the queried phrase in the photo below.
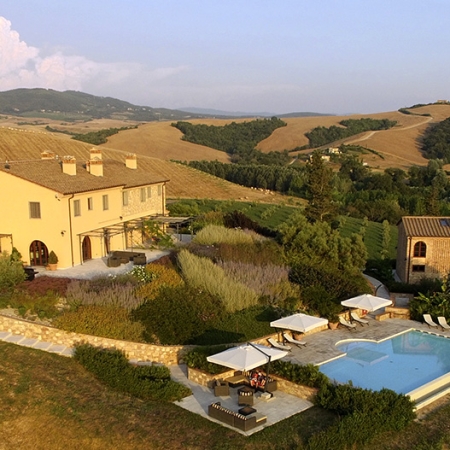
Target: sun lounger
(358, 319)
(443, 323)
(429, 321)
(291, 340)
(348, 325)
(276, 344)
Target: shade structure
(367, 301)
(299, 322)
(246, 357)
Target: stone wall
(298, 390)
(164, 354)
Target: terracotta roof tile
(49, 174)
(426, 226)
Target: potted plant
(52, 262)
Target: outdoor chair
(429, 321)
(221, 388)
(276, 344)
(358, 319)
(291, 340)
(348, 325)
(443, 323)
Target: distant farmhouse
(423, 249)
(80, 210)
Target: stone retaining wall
(163, 354)
(298, 390)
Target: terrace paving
(321, 346)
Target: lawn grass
(51, 402)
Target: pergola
(129, 226)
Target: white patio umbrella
(247, 356)
(366, 301)
(299, 322)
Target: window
(35, 210)
(159, 189)
(420, 249)
(418, 268)
(125, 198)
(143, 198)
(149, 192)
(90, 203)
(105, 202)
(76, 208)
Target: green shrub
(239, 326)
(106, 321)
(204, 274)
(44, 306)
(11, 272)
(366, 413)
(309, 374)
(177, 315)
(196, 359)
(340, 284)
(112, 368)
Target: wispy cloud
(21, 66)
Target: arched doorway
(38, 254)
(86, 248)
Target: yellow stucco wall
(58, 228)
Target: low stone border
(163, 354)
(297, 390)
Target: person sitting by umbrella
(254, 379)
(261, 379)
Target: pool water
(401, 363)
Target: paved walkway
(97, 267)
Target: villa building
(423, 249)
(80, 210)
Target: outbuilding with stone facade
(423, 249)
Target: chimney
(95, 153)
(131, 161)
(69, 165)
(95, 167)
(47, 154)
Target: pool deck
(321, 346)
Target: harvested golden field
(185, 182)
(398, 147)
(161, 140)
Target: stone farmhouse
(423, 248)
(80, 210)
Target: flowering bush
(142, 274)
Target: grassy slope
(50, 402)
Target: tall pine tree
(319, 190)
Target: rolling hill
(73, 105)
(185, 182)
(396, 147)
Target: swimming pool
(402, 363)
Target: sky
(327, 56)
